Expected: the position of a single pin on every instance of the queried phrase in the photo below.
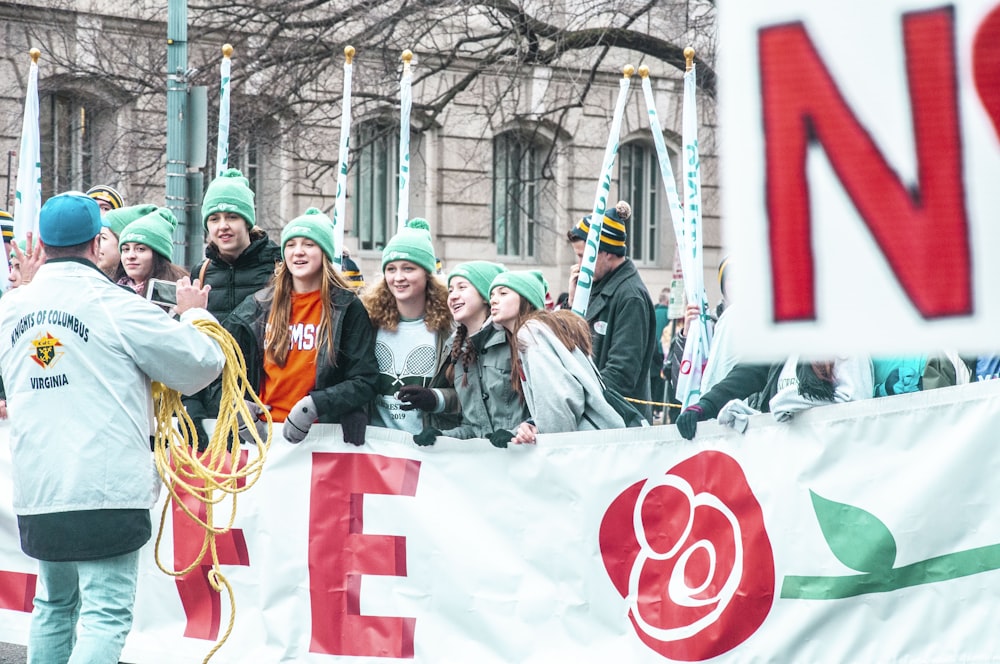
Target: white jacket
(560, 386)
(77, 354)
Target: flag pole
(405, 105)
(692, 260)
(339, 208)
(663, 157)
(581, 298)
(222, 145)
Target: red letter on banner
(17, 591)
(922, 233)
(201, 602)
(340, 552)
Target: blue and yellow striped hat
(613, 233)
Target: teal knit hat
(413, 244)
(313, 225)
(479, 273)
(117, 220)
(155, 230)
(529, 284)
(230, 192)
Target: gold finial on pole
(227, 50)
(349, 54)
(643, 71)
(688, 58)
(407, 56)
(35, 54)
(627, 71)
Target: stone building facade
(498, 182)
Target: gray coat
(561, 386)
(489, 403)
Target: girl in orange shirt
(307, 339)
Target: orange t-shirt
(284, 386)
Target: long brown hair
(277, 335)
(569, 327)
(382, 309)
(162, 269)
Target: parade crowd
(483, 352)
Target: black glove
(687, 422)
(203, 439)
(416, 397)
(427, 436)
(500, 438)
(354, 424)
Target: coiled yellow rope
(214, 475)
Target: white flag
(29, 164)
(692, 261)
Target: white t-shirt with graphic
(406, 356)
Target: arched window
(68, 128)
(517, 181)
(376, 182)
(640, 184)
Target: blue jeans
(100, 593)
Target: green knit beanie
(117, 220)
(479, 273)
(413, 244)
(230, 192)
(529, 284)
(155, 230)
(313, 225)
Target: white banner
(859, 174)
(867, 531)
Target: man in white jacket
(77, 355)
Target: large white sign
(867, 531)
(861, 155)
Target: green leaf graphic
(856, 537)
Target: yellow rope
(214, 475)
(653, 403)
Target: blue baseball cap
(69, 219)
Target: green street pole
(177, 158)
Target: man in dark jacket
(620, 312)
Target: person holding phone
(308, 342)
(84, 479)
(146, 246)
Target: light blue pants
(100, 593)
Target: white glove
(300, 419)
(736, 415)
(256, 411)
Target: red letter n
(922, 232)
(340, 552)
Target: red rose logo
(689, 553)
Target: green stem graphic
(941, 568)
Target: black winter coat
(233, 282)
(341, 387)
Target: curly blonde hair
(382, 309)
